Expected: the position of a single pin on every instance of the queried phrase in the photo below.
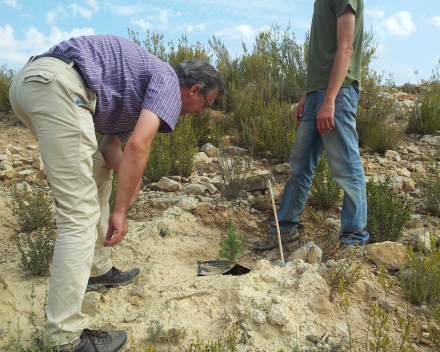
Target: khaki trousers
(44, 96)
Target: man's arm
(345, 34)
(131, 167)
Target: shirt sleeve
(341, 5)
(163, 98)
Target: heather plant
(388, 212)
(173, 153)
(5, 77)
(375, 105)
(380, 324)
(35, 238)
(233, 170)
(264, 126)
(430, 186)
(233, 247)
(423, 284)
(425, 116)
(345, 269)
(325, 190)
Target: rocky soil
(179, 222)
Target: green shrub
(173, 153)
(36, 237)
(382, 137)
(155, 331)
(31, 207)
(430, 186)
(423, 284)
(264, 126)
(5, 77)
(324, 189)
(233, 171)
(233, 247)
(375, 105)
(425, 116)
(387, 211)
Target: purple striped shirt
(125, 78)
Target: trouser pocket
(38, 76)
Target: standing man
(326, 120)
(110, 85)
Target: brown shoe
(271, 240)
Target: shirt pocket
(38, 76)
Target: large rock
(16, 150)
(283, 169)
(188, 204)
(211, 188)
(320, 304)
(278, 314)
(259, 182)
(235, 151)
(408, 184)
(309, 253)
(202, 208)
(194, 189)
(7, 174)
(210, 150)
(168, 185)
(392, 154)
(201, 157)
(90, 304)
(391, 255)
(38, 164)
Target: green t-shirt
(323, 43)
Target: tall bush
(324, 189)
(173, 153)
(425, 116)
(387, 212)
(5, 77)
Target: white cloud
(93, 4)
(27, 15)
(11, 3)
(143, 24)
(87, 13)
(244, 32)
(128, 10)
(18, 51)
(399, 24)
(163, 18)
(56, 14)
(198, 27)
(435, 21)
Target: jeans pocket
(38, 76)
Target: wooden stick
(276, 223)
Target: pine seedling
(233, 247)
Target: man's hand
(299, 109)
(324, 120)
(117, 229)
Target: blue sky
(407, 32)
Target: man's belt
(62, 58)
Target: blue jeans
(341, 146)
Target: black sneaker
(113, 277)
(271, 240)
(99, 341)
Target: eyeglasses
(206, 102)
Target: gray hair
(193, 72)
